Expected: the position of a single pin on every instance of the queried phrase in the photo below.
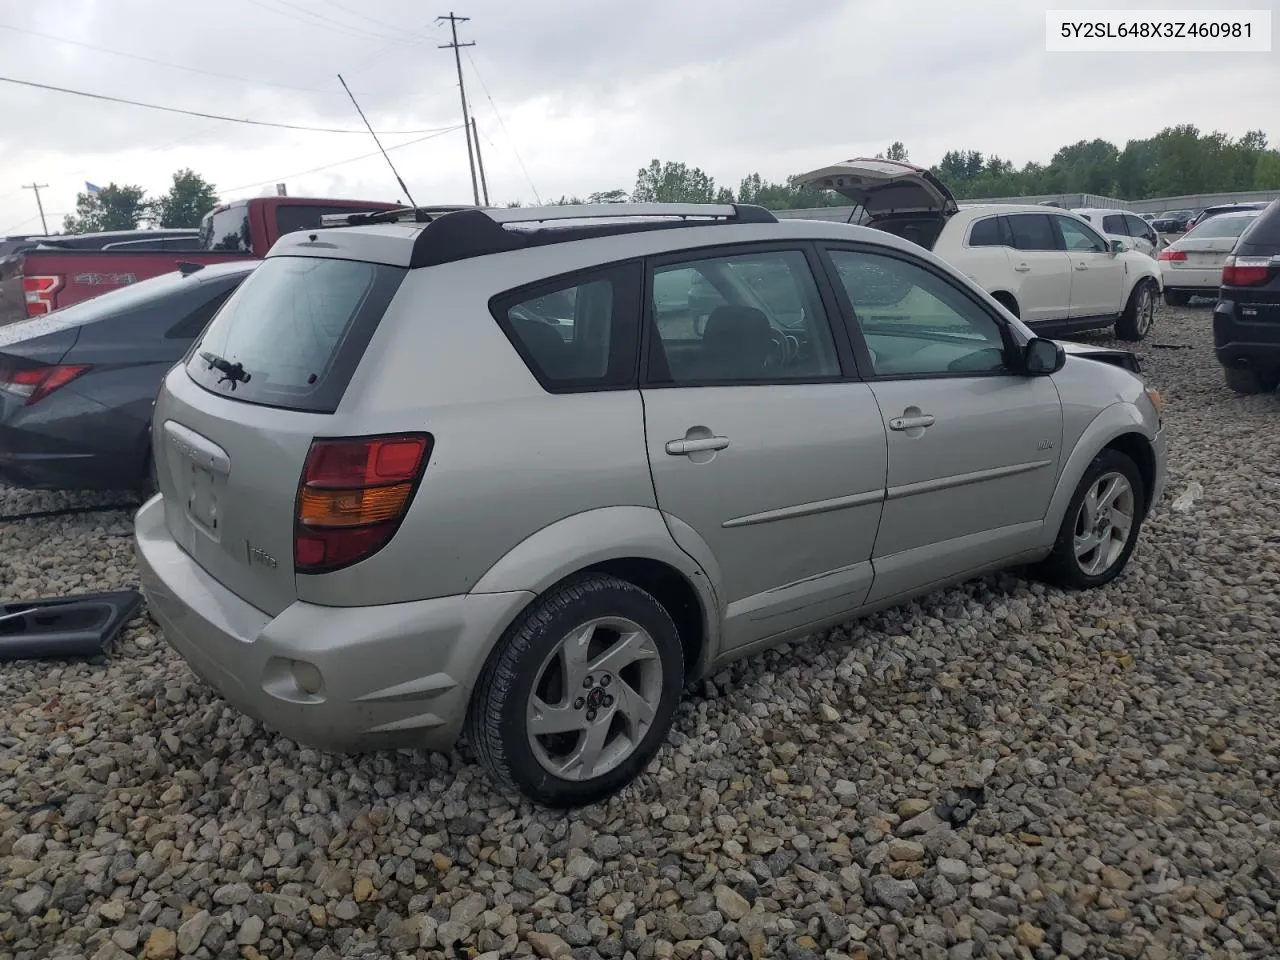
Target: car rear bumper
(335, 678)
(1204, 281)
(1238, 341)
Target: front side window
(1114, 223)
(1077, 238)
(748, 318)
(913, 322)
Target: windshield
(1223, 225)
(295, 329)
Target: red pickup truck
(243, 230)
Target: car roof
(402, 243)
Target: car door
(973, 445)
(765, 453)
(1097, 274)
(1144, 235)
(1041, 268)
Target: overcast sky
(570, 96)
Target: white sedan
(1191, 266)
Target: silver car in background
(524, 473)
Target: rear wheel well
(1007, 301)
(670, 588)
(1138, 449)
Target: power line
(320, 20)
(207, 116)
(339, 163)
(374, 20)
(455, 46)
(503, 124)
(151, 60)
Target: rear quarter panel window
(578, 332)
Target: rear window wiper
(231, 372)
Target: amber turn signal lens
(352, 508)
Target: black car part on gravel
(80, 625)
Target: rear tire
(1086, 555)
(1176, 298)
(1250, 380)
(1139, 313)
(597, 665)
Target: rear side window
(189, 327)
(294, 332)
(990, 232)
(227, 230)
(579, 332)
(1033, 231)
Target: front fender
(598, 536)
(1113, 421)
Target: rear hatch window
(292, 335)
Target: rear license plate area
(202, 500)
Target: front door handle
(1082, 266)
(1022, 268)
(911, 423)
(683, 447)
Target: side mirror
(1041, 357)
(1117, 246)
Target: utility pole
(484, 186)
(455, 46)
(37, 187)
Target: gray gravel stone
(998, 757)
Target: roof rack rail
(479, 231)
(395, 215)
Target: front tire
(1139, 313)
(1101, 525)
(1250, 380)
(579, 693)
(1176, 298)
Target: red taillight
(1246, 271)
(38, 292)
(1172, 255)
(353, 494)
(33, 384)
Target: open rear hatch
(235, 423)
(884, 188)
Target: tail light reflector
(353, 495)
(1246, 271)
(1172, 255)
(33, 384)
(38, 293)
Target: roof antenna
(377, 141)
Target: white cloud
(589, 90)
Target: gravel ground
(1000, 770)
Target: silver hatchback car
(524, 473)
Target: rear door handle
(1022, 268)
(1082, 266)
(910, 423)
(683, 447)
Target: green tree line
(127, 207)
(1176, 161)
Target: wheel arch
(1118, 427)
(1008, 301)
(630, 543)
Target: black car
(1246, 319)
(1173, 221)
(77, 385)
(1208, 212)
